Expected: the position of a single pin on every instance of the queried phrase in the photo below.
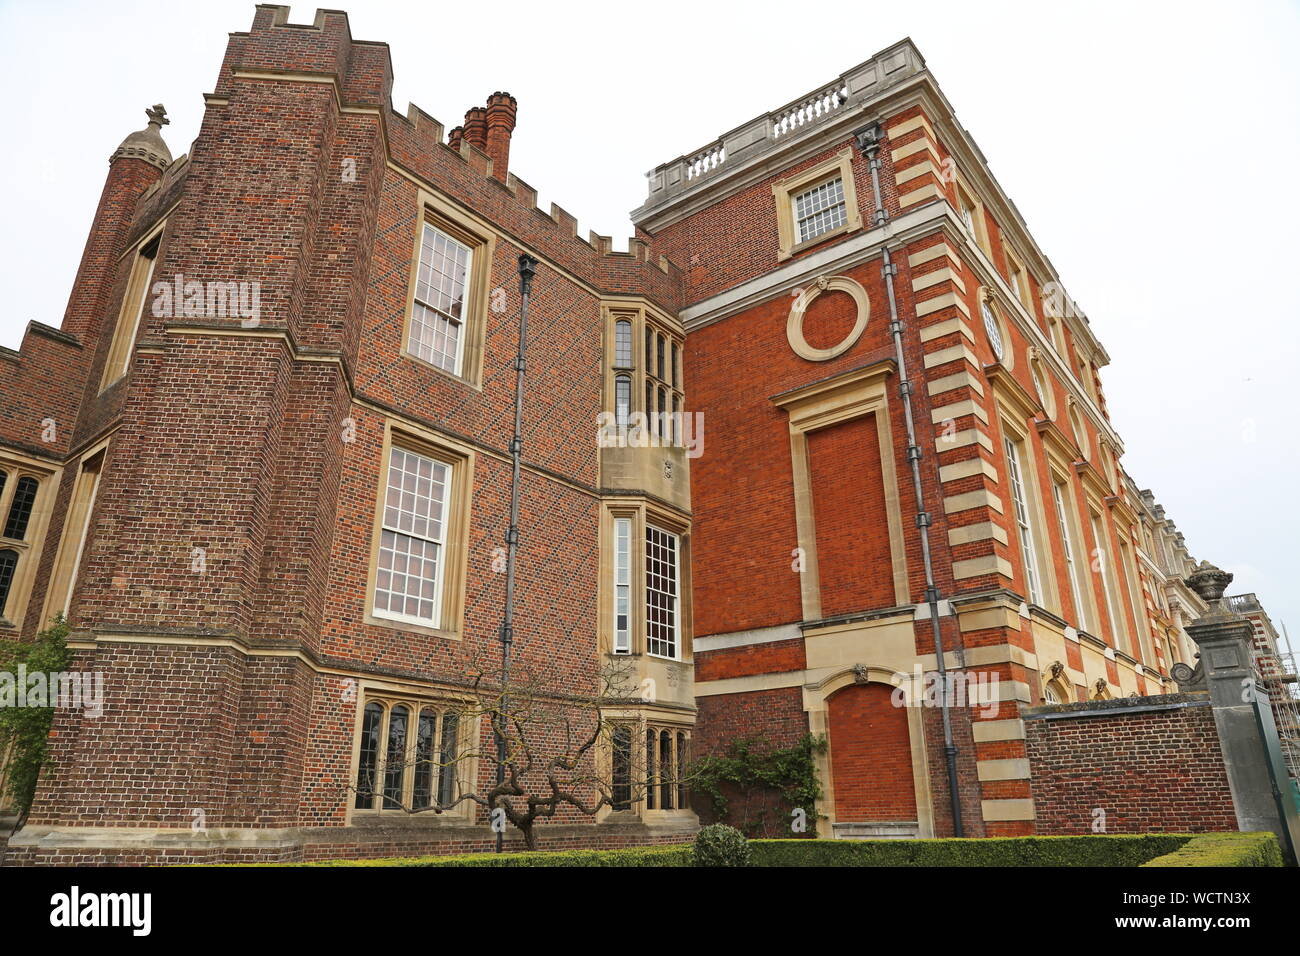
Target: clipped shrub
(1119, 850)
(721, 845)
(1224, 849)
(677, 854)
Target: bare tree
(559, 750)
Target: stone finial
(147, 144)
(1209, 582)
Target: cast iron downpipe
(869, 142)
(527, 269)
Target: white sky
(1151, 147)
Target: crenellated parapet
(469, 162)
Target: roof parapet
(783, 126)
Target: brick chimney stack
(476, 127)
(454, 137)
(501, 111)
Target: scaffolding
(1276, 670)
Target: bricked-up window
(134, 302)
(408, 579)
(662, 606)
(622, 585)
(1023, 527)
(407, 756)
(436, 332)
(20, 507)
(819, 210)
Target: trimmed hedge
(1225, 849)
(995, 851)
(678, 854)
(1152, 849)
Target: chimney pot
(476, 127)
(502, 109)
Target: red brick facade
(227, 582)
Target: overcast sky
(1151, 147)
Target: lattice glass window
(819, 210)
(622, 399)
(437, 322)
(404, 765)
(1019, 499)
(661, 592)
(395, 756)
(993, 329)
(664, 400)
(666, 752)
(622, 585)
(408, 580)
(622, 344)
(621, 791)
(20, 509)
(8, 564)
(368, 764)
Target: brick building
(264, 467)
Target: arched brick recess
(871, 756)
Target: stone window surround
(1036, 503)
(17, 466)
(466, 734)
(641, 318)
(455, 553)
(638, 721)
(844, 397)
(481, 241)
(1059, 473)
(135, 299)
(783, 192)
(642, 512)
(816, 699)
(70, 553)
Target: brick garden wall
(1152, 764)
